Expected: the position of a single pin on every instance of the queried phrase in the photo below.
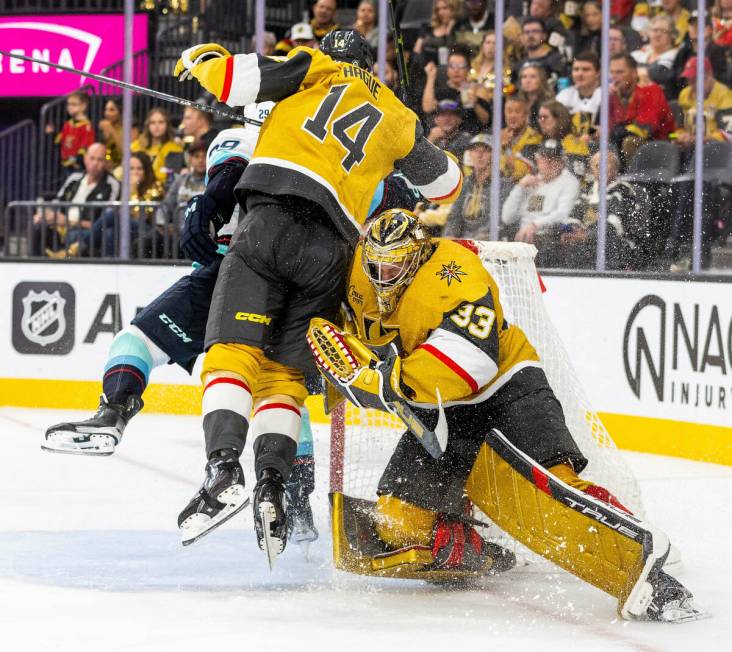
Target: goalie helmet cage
(362, 440)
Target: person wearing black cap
(470, 215)
(540, 202)
(446, 133)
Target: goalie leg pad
(594, 541)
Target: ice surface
(90, 559)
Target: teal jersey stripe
(305, 447)
(131, 350)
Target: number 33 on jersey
(335, 132)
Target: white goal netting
(363, 440)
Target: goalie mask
(395, 247)
(348, 46)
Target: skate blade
(95, 445)
(193, 529)
(685, 613)
(272, 546)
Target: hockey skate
(220, 497)
(270, 515)
(99, 435)
(300, 527)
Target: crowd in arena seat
(548, 151)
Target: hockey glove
(191, 57)
(197, 239)
(368, 380)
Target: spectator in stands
(657, 57)
(626, 204)
(300, 34)
(718, 127)
(472, 28)
(541, 202)
(110, 129)
(455, 85)
(324, 18)
(76, 134)
(533, 89)
(156, 140)
(722, 23)
(555, 123)
(588, 39)
(644, 13)
(719, 55)
(637, 113)
(469, 216)
(143, 188)
(198, 125)
(447, 133)
(53, 231)
(518, 139)
(186, 186)
(547, 11)
(617, 42)
(367, 23)
(482, 74)
(538, 50)
(434, 43)
(717, 106)
(583, 97)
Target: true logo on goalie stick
(451, 272)
(43, 318)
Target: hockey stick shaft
(399, 47)
(142, 90)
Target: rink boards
(655, 356)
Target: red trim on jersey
(228, 76)
(126, 370)
(229, 381)
(454, 366)
(541, 480)
(280, 406)
(469, 245)
(449, 194)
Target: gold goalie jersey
(335, 132)
(452, 328)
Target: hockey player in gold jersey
(335, 132)
(433, 301)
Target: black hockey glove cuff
(199, 230)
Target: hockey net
(363, 440)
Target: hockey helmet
(348, 46)
(394, 248)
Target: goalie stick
(142, 90)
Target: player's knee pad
(241, 359)
(399, 523)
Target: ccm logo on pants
(253, 317)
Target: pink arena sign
(89, 43)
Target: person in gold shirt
(429, 316)
(156, 140)
(335, 132)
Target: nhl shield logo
(43, 318)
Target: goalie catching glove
(191, 57)
(367, 376)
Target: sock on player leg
(275, 431)
(132, 356)
(226, 405)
